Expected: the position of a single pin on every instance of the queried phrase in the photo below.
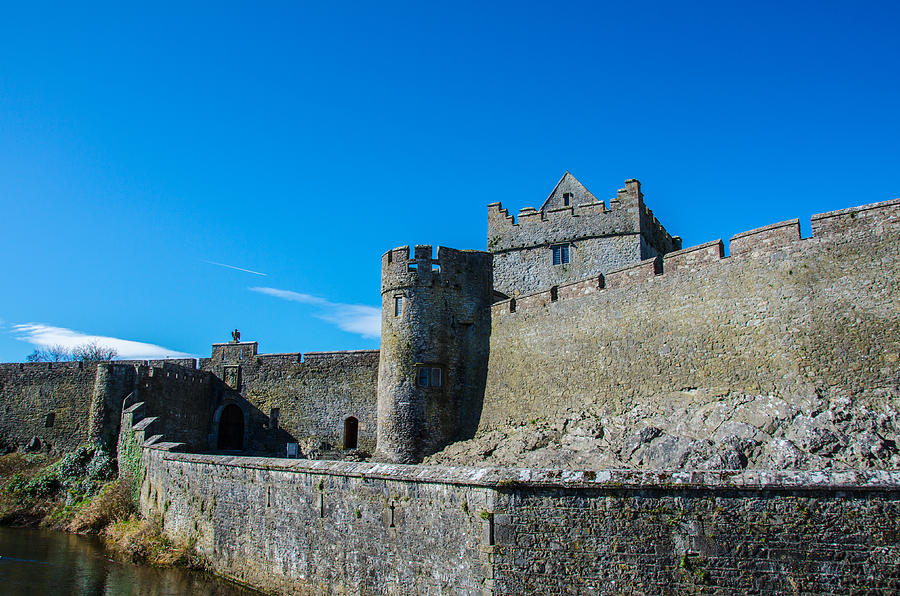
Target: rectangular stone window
(429, 376)
(567, 199)
(560, 254)
(398, 306)
(49, 420)
(274, 415)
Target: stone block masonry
(434, 337)
(295, 397)
(782, 316)
(50, 402)
(710, 539)
(596, 239)
(57, 406)
(317, 527)
(180, 399)
(67, 404)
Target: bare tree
(50, 354)
(93, 352)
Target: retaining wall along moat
(304, 527)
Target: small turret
(435, 326)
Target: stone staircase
(142, 430)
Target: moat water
(44, 562)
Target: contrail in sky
(238, 268)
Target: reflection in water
(46, 562)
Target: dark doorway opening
(231, 428)
(351, 432)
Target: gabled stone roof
(568, 184)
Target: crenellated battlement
(550, 224)
(626, 214)
(171, 370)
(75, 366)
(35, 367)
(856, 224)
(450, 268)
(573, 236)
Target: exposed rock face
(702, 430)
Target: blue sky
(144, 149)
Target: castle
(421, 391)
(578, 306)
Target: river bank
(43, 561)
(80, 493)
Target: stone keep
(435, 327)
(596, 238)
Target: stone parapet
(765, 239)
(505, 478)
(289, 526)
(855, 223)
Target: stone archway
(231, 428)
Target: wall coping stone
(690, 249)
(639, 265)
(774, 226)
(335, 353)
(848, 210)
(809, 480)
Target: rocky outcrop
(700, 429)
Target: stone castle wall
(601, 239)
(181, 399)
(318, 527)
(527, 270)
(47, 401)
(786, 533)
(781, 315)
(303, 527)
(313, 392)
(67, 404)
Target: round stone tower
(435, 327)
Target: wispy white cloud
(39, 334)
(353, 318)
(290, 295)
(237, 268)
